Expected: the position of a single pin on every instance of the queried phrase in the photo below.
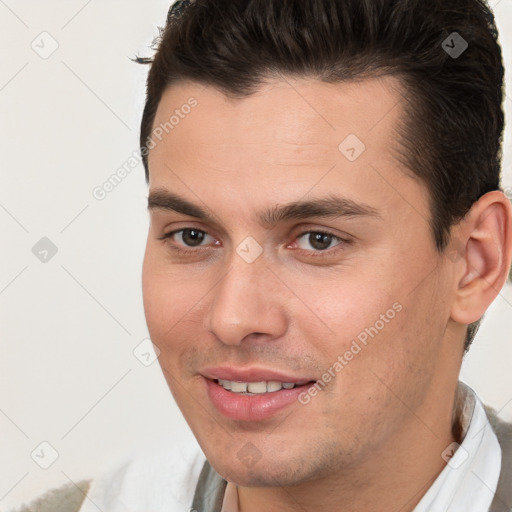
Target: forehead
(312, 112)
(289, 137)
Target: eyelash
(315, 253)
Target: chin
(258, 477)
(264, 472)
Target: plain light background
(70, 325)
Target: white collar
(469, 480)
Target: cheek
(174, 302)
(155, 300)
(397, 362)
(375, 331)
(164, 297)
(347, 308)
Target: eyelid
(170, 234)
(308, 227)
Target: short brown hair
(445, 52)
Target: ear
(484, 238)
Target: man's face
(249, 295)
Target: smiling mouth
(257, 388)
(254, 400)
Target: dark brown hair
(451, 138)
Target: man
(327, 230)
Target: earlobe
(486, 256)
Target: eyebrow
(331, 206)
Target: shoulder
(67, 498)
(160, 478)
(502, 428)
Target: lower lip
(258, 407)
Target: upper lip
(251, 375)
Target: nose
(246, 303)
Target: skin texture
(372, 438)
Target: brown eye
(318, 240)
(192, 237)
(186, 237)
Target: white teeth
(226, 384)
(239, 387)
(273, 385)
(255, 388)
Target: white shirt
(164, 479)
